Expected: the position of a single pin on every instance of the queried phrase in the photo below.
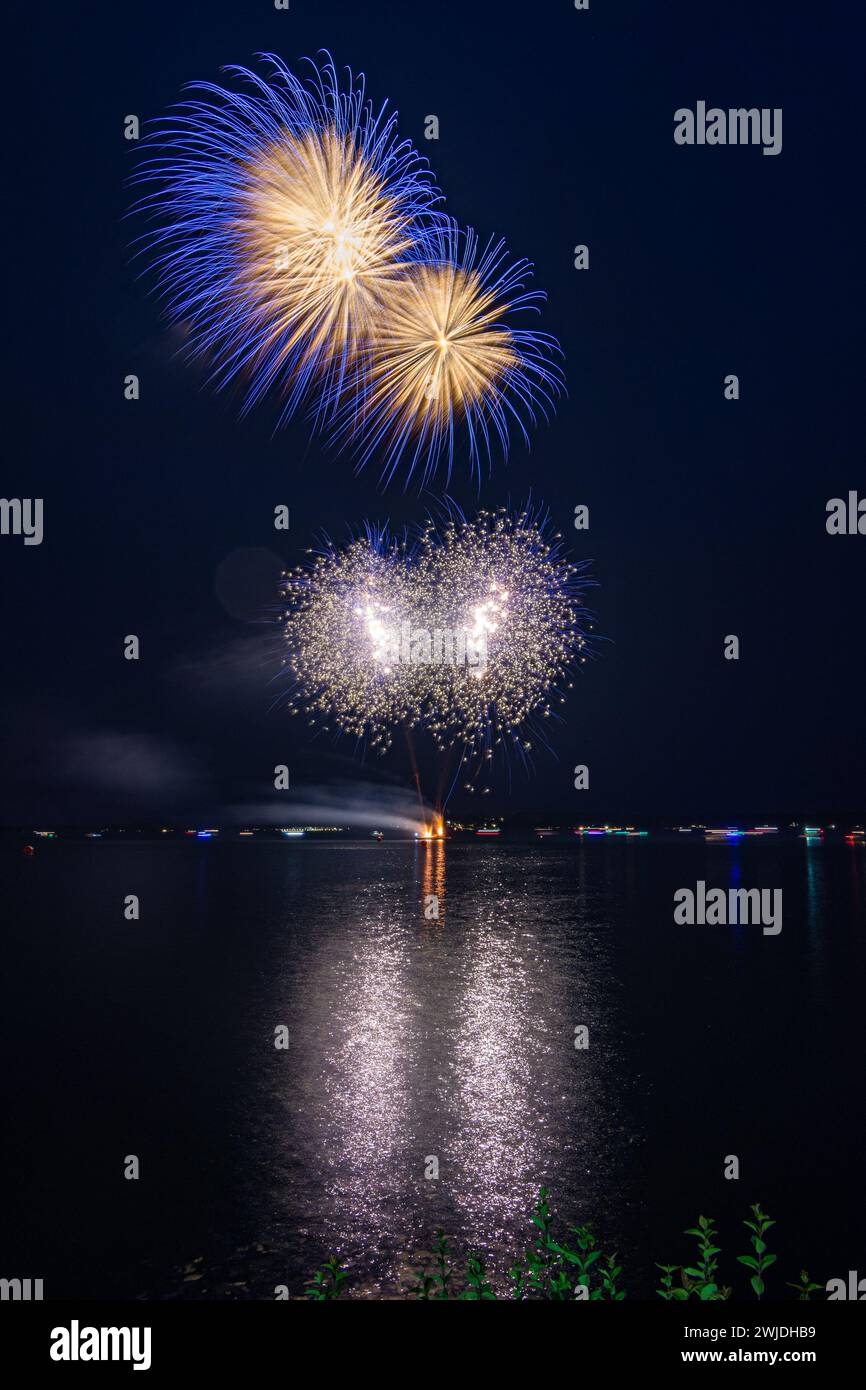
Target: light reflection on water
(354, 1009)
(450, 1038)
(414, 1036)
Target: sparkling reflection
(357, 1003)
(452, 1037)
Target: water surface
(414, 1039)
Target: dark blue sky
(707, 517)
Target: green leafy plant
(668, 1290)
(539, 1257)
(477, 1286)
(700, 1278)
(759, 1260)
(575, 1268)
(553, 1269)
(436, 1283)
(327, 1281)
(805, 1288)
(610, 1272)
(517, 1278)
(584, 1257)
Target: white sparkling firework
(470, 631)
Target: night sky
(707, 517)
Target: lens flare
(468, 630)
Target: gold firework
(439, 349)
(322, 248)
(296, 238)
(444, 361)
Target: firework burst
(505, 581)
(284, 213)
(296, 240)
(343, 610)
(446, 361)
(470, 630)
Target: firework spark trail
(504, 580)
(468, 630)
(296, 239)
(283, 213)
(343, 610)
(446, 360)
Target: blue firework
(283, 214)
(447, 364)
